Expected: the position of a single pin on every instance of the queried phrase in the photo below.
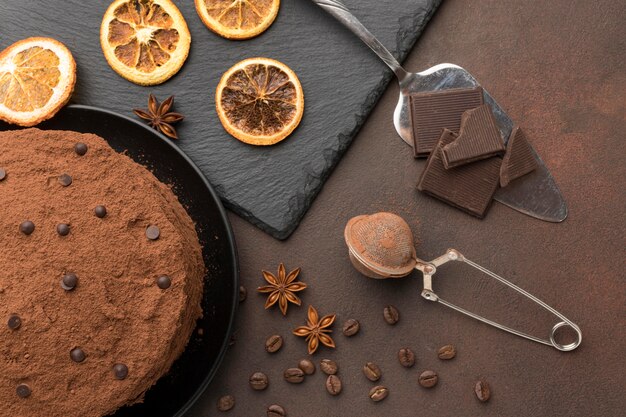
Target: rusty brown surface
(559, 69)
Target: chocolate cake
(101, 279)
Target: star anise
(316, 330)
(160, 117)
(282, 288)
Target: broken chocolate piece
(479, 138)
(469, 187)
(434, 111)
(519, 158)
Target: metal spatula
(535, 194)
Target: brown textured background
(558, 67)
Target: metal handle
(341, 13)
(429, 269)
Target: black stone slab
(342, 80)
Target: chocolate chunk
(69, 282)
(164, 282)
(120, 371)
(479, 138)
(14, 322)
(469, 187)
(3, 174)
(519, 158)
(77, 355)
(23, 391)
(153, 232)
(81, 148)
(65, 180)
(63, 229)
(434, 111)
(27, 227)
(100, 211)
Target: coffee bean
(120, 371)
(307, 366)
(482, 390)
(65, 180)
(406, 357)
(378, 393)
(447, 352)
(258, 381)
(23, 391)
(243, 293)
(351, 327)
(391, 314)
(80, 148)
(372, 371)
(14, 322)
(63, 229)
(294, 375)
(333, 385)
(77, 355)
(329, 367)
(164, 282)
(100, 211)
(27, 227)
(69, 282)
(226, 403)
(276, 410)
(3, 174)
(273, 343)
(428, 379)
(153, 232)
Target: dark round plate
(176, 392)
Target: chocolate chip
(77, 355)
(65, 180)
(27, 227)
(164, 282)
(276, 410)
(100, 211)
(23, 391)
(120, 371)
(81, 148)
(226, 403)
(14, 322)
(243, 293)
(153, 232)
(63, 229)
(3, 174)
(69, 282)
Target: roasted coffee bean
(3, 174)
(80, 148)
(243, 293)
(27, 227)
(428, 379)
(307, 366)
(447, 352)
(294, 375)
(65, 180)
(258, 381)
(406, 357)
(164, 282)
(482, 390)
(14, 322)
(333, 385)
(273, 343)
(276, 410)
(328, 367)
(63, 229)
(69, 282)
(100, 211)
(378, 393)
(120, 371)
(23, 391)
(77, 355)
(372, 371)
(351, 327)
(391, 314)
(153, 232)
(226, 403)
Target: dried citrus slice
(259, 101)
(144, 41)
(238, 19)
(37, 77)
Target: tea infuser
(381, 246)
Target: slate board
(342, 80)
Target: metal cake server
(536, 194)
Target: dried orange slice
(37, 77)
(259, 101)
(238, 19)
(145, 41)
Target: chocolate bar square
(519, 158)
